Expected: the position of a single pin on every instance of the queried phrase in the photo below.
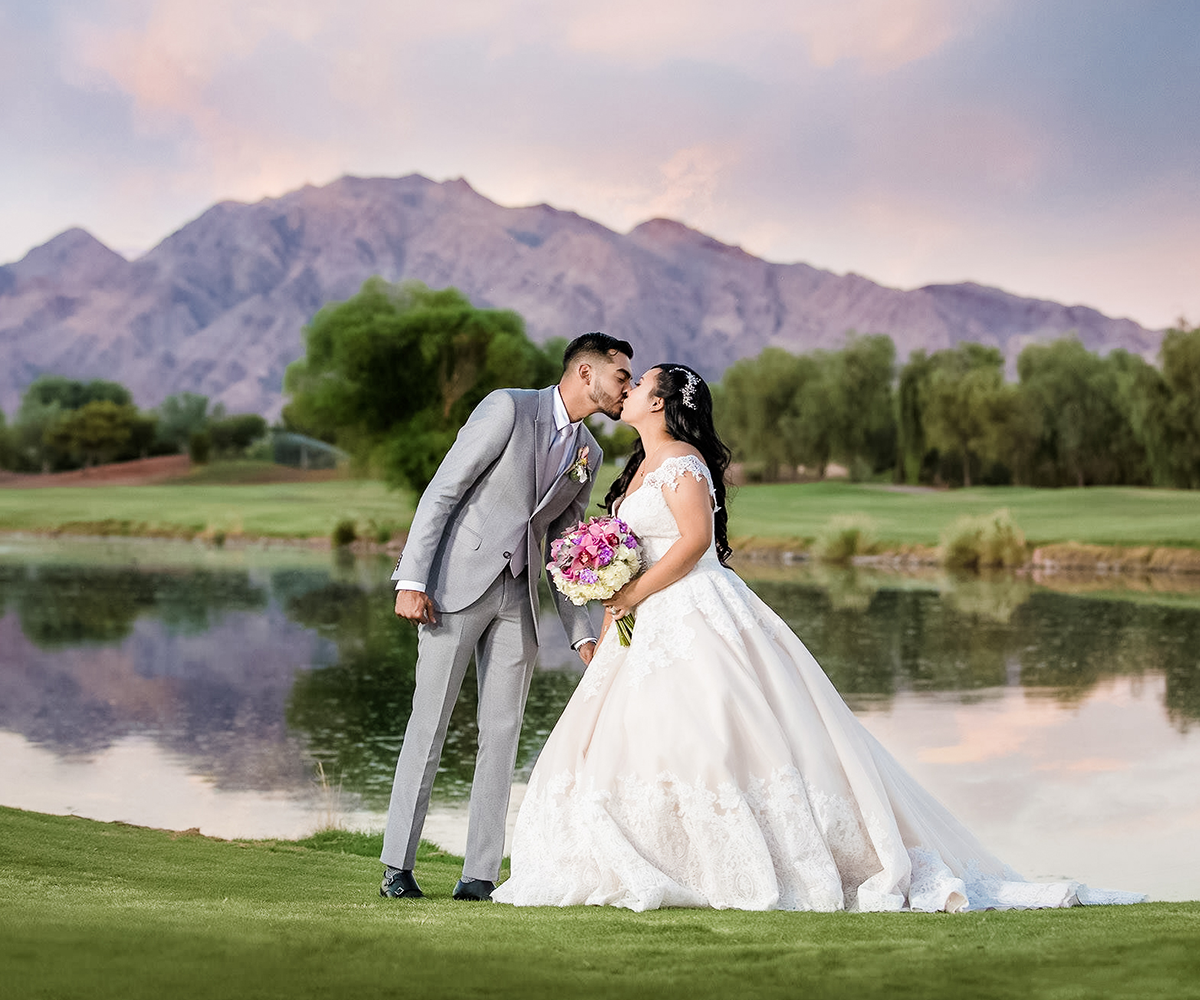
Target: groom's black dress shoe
(474, 888)
(398, 883)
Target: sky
(1047, 147)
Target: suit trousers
(499, 629)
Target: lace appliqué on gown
(712, 763)
(666, 841)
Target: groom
(520, 469)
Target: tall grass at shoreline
(844, 537)
(99, 910)
(987, 542)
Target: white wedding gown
(712, 763)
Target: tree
(815, 421)
(50, 399)
(1085, 437)
(232, 435)
(965, 386)
(61, 425)
(1180, 357)
(781, 409)
(865, 371)
(1128, 446)
(34, 421)
(97, 430)
(1013, 436)
(911, 400)
(71, 394)
(1164, 408)
(142, 435)
(179, 417)
(391, 374)
(200, 447)
(756, 395)
(7, 451)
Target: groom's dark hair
(597, 344)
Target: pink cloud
(1004, 729)
(1088, 765)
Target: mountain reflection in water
(201, 660)
(252, 673)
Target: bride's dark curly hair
(689, 417)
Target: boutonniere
(578, 470)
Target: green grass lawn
(214, 500)
(272, 509)
(104, 910)
(1100, 515)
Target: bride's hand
(623, 601)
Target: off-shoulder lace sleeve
(669, 472)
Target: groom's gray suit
(476, 548)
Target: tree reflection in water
(980, 634)
(64, 606)
(961, 639)
(354, 712)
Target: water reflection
(200, 661)
(1104, 792)
(354, 712)
(975, 633)
(251, 667)
(129, 670)
(63, 606)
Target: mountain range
(219, 306)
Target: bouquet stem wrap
(625, 629)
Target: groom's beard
(610, 406)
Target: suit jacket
(488, 497)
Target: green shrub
(343, 533)
(381, 532)
(200, 447)
(861, 471)
(754, 472)
(977, 542)
(845, 537)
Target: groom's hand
(586, 651)
(416, 607)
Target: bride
(711, 762)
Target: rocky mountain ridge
(219, 306)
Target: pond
(263, 692)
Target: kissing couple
(709, 763)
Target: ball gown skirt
(711, 763)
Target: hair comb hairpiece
(688, 392)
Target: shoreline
(1053, 558)
(1049, 558)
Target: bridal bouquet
(594, 560)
